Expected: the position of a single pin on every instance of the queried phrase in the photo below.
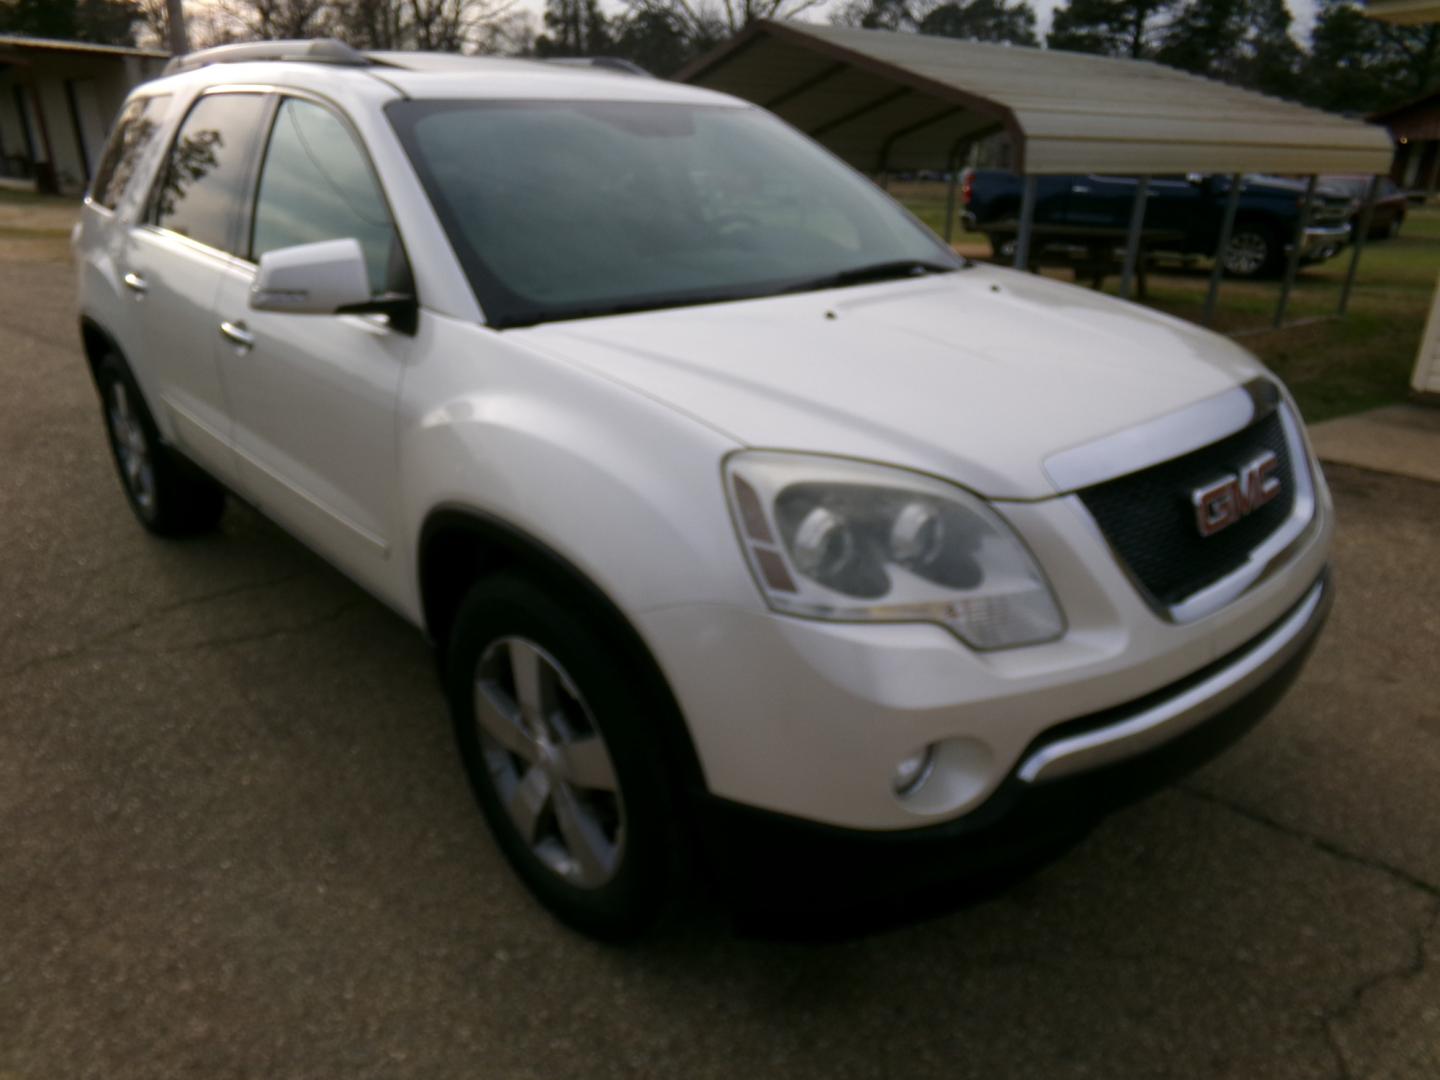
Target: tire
(1254, 252)
(574, 790)
(169, 495)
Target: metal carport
(886, 101)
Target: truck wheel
(1002, 248)
(1254, 252)
(169, 495)
(551, 725)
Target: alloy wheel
(549, 763)
(1247, 253)
(132, 448)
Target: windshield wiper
(884, 271)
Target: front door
(313, 397)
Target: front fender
(625, 488)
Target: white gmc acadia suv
(753, 527)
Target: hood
(977, 375)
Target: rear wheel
(169, 495)
(552, 725)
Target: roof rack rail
(316, 51)
(609, 63)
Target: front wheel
(555, 732)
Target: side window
(134, 131)
(317, 184)
(205, 175)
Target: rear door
(174, 261)
(314, 396)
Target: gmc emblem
(1223, 503)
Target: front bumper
(810, 718)
(1067, 780)
(1323, 242)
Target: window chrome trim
(1190, 707)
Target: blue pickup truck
(1183, 215)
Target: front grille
(1149, 519)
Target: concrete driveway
(234, 841)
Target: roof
(1405, 12)
(425, 75)
(881, 100)
(442, 74)
(22, 41)
(1415, 119)
(511, 79)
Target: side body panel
(313, 403)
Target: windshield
(1346, 185)
(563, 209)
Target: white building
(57, 99)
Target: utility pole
(179, 40)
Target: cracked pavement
(234, 842)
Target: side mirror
(311, 279)
(328, 278)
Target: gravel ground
(234, 841)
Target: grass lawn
(1333, 367)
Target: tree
(101, 22)
(1357, 64)
(574, 28)
(439, 25)
(282, 19)
(973, 20)
(1109, 27)
(983, 20)
(657, 40)
(1245, 42)
(879, 14)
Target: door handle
(1080, 189)
(135, 283)
(236, 332)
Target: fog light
(913, 771)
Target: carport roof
(24, 41)
(894, 100)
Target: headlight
(835, 539)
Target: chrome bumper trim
(1187, 709)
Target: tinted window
(317, 185)
(560, 209)
(208, 167)
(135, 130)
